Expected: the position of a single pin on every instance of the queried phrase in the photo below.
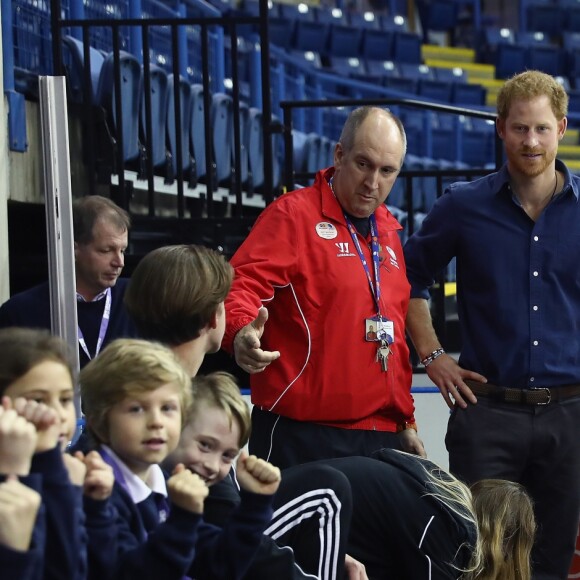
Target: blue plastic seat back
(299, 150)
(74, 57)
(244, 116)
(324, 152)
(347, 66)
(222, 133)
(130, 87)
(377, 44)
(159, 95)
(312, 152)
(255, 146)
(343, 40)
(197, 130)
(185, 114)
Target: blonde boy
(135, 394)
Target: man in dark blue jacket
(100, 232)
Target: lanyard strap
(376, 286)
(102, 329)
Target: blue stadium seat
(307, 57)
(415, 163)
(549, 59)
(222, 134)
(255, 146)
(159, 95)
(468, 94)
(343, 40)
(306, 148)
(453, 75)
(571, 17)
(197, 143)
(571, 47)
(395, 22)
(545, 16)
(377, 44)
(489, 39)
(532, 38)
(347, 66)
(172, 132)
(74, 58)
(364, 20)
(406, 47)
(478, 143)
(244, 117)
(388, 74)
(437, 16)
(510, 59)
(130, 98)
(310, 35)
(326, 146)
(416, 71)
(328, 15)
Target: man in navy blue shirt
(515, 392)
(101, 229)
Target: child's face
(49, 382)
(209, 444)
(144, 428)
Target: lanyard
(102, 329)
(376, 286)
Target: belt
(530, 396)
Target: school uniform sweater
(184, 545)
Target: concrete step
(447, 53)
(569, 152)
(475, 71)
(571, 137)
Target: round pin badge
(326, 230)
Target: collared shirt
(518, 281)
(138, 489)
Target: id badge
(378, 329)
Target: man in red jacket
(320, 265)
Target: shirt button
(532, 379)
(535, 307)
(536, 273)
(536, 238)
(535, 343)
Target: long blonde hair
(507, 529)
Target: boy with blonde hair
(176, 296)
(135, 394)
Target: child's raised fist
(45, 420)
(76, 469)
(17, 442)
(99, 478)
(187, 490)
(257, 475)
(18, 508)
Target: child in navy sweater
(135, 394)
(35, 369)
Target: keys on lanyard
(383, 352)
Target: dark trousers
(312, 515)
(308, 534)
(537, 446)
(285, 442)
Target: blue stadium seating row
(164, 136)
(552, 16)
(512, 51)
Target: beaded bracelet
(431, 357)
